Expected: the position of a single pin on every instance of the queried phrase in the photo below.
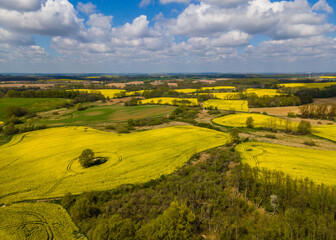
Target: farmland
(236, 105)
(227, 95)
(307, 85)
(51, 169)
(218, 88)
(103, 114)
(262, 92)
(171, 101)
(260, 121)
(328, 132)
(32, 104)
(298, 162)
(111, 93)
(36, 221)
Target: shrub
(291, 115)
(79, 107)
(309, 143)
(304, 127)
(86, 158)
(271, 136)
(15, 111)
(9, 129)
(250, 122)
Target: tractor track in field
(41, 221)
(2, 168)
(14, 193)
(255, 157)
(21, 139)
(119, 160)
(68, 168)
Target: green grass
(318, 165)
(43, 164)
(106, 114)
(260, 121)
(33, 104)
(236, 105)
(36, 221)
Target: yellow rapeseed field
(43, 164)
(187, 90)
(260, 121)
(318, 165)
(111, 93)
(327, 77)
(326, 131)
(36, 221)
(262, 92)
(135, 93)
(307, 85)
(218, 88)
(170, 101)
(237, 105)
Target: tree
(79, 107)
(250, 122)
(15, 111)
(304, 127)
(86, 158)
(234, 136)
(9, 129)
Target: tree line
(219, 198)
(318, 111)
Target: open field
(111, 93)
(103, 114)
(218, 88)
(170, 101)
(277, 111)
(187, 90)
(262, 92)
(327, 77)
(237, 105)
(18, 85)
(225, 96)
(36, 221)
(260, 121)
(308, 85)
(43, 164)
(65, 80)
(32, 104)
(328, 132)
(318, 165)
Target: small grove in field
(44, 164)
(235, 105)
(37, 221)
(318, 165)
(171, 101)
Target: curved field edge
(260, 121)
(43, 164)
(38, 221)
(317, 165)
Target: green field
(308, 85)
(169, 101)
(318, 165)
(106, 114)
(36, 221)
(260, 121)
(236, 105)
(43, 164)
(33, 104)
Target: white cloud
(279, 20)
(22, 5)
(322, 5)
(145, 3)
(174, 1)
(56, 17)
(86, 8)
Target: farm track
(2, 168)
(21, 139)
(42, 222)
(70, 165)
(255, 157)
(119, 160)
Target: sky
(167, 36)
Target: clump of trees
(220, 198)
(275, 101)
(304, 127)
(318, 111)
(88, 159)
(249, 122)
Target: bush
(86, 158)
(79, 107)
(304, 127)
(15, 111)
(291, 115)
(9, 129)
(250, 122)
(309, 143)
(271, 136)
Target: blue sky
(152, 36)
